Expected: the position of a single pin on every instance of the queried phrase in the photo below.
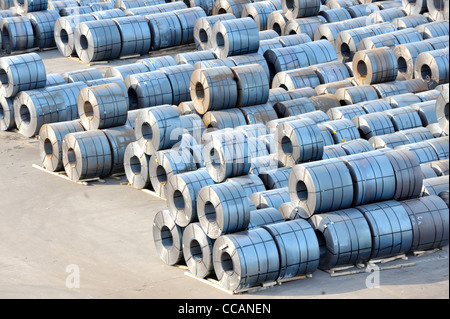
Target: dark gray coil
(441, 167)
(344, 238)
(226, 155)
(194, 57)
(119, 138)
(442, 109)
(299, 141)
(168, 238)
(97, 40)
(286, 58)
(50, 143)
(277, 178)
(102, 106)
(122, 71)
(270, 198)
(418, 134)
(433, 29)
(224, 119)
(21, 73)
(389, 140)
(187, 18)
(6, 114)
(203, 29)
(252, 85)
(179, 77)
(404, 118)
(441, 146)
(246, 259)
(259, 12)
(333, 151)
(259, 113)
(356, 94)
(158, 62)
(321, 187)
(423, 151)
(374, 124)
(362, 10)
(135, 35)
(166, 30)
(293, 107)
(391, 228)
(300, 8)
(342, 130)
(156, 127)
(303, 26)
(427, 172)
(356, 146)
(86, 155)
(347, 111)
(296, 79)
(43, 23)
(17, 34)
(54, 79)
(393, 88)
(82, 75)
(253, 130)
(433, 67)
(331, 72)
(430, 222)
(223, 208)
(373, 177)
(114, 79)
(107, 14)
(70, 93)
(263, 217)
(375, 66)
(316, 116)
(148, 89)
(197, 250)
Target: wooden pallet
(76, 58)
(420, 253)
(63, 175)
(145, 190)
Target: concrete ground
(49, 225)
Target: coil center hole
(402, 65)
(147, 131)
(446, 111)
(215, 158)
(64, 36)
(71, 157)
(132, 96)
(84, 43)
(166, 237)
(2, 112)
(302, 191)
(227, 263)
(345, 51)
(361, 67)
(161, 174)
(290, 4)
(48, 147)
(210, 212)
(322, 243)
(135, 165)
(286, 145)
(203, 35)
(220, 40)
(200, 91)
(222, 11)
(4, 76)
(426, 72)
(88, 110)
(178, 200)
(196, 250)
(25, 114)
(277, 28)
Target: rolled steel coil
(50, 143)
(263, 163)
(102, 106)
(21, 73)
(321, 51)
(342, 130)
(263, 217)
(302, 92)
(347, 41)
(278, 95)
(70, 93)
(253, 130)
(346, 111)
(296, 79)
(250, 183)
(389, 140)
(402, 100)
(54, 79)
(256, 148)
(248, 59)
(227, 156)
(129, 4)
(165, 7)
(179, 77)
(73, 11)
(356, 146)
(442, 110)
(136, 164)
(316, 116)
(270, 198)
(193, 125)
(324, 102)
(148, 89)
(321, 187)
(356, 94)
(135, 35)
(286, 210)
(246, 259)
(330, 31)
(344, 238)
(277, 178)
(265, 45)
(299, 141)
(391, 228)
(165, 29)
(213, 89)
(158, 62)
(82, 75)
(187, 18)
(362, 10)
(384, 40)
(235, 37)
(404, 118)
(259, 12)
(43, 24)
(439, 10)
(187, 108)
(17, 34)
(433, 29)
(286, 58)
(332, 87)
(409, 21)
(439, 42)
(293, 107)
(433, 67)
(97, 40)
(223, 208)
(335, 15)
(429, 219)
(273, 124)
(119, 138)
(375, 66)
(277, 22)
(445, 197)
(418, 134)
(436, 130)
(441, 146)
(267, 34)
(197, 250)
(101, 6)
(333, 151)
(203, 29)
(415, 85)
(393, 88)
(6, 114)
(327, 136)
(293, 9)
(293, 39)
(234, 7)
(373, 177)
(423, 151)
(441, 167)
(107, 14)
(86, 155)
(259, 113)
(252, 85)
(303, 26)
(407, 54)
(333, 4)
(386, 15)
(427, 172)
(434, 186)
(414, 7)
(168, 238)
(123, 71)
(61, 4)
(224, 119)
(131, 121)
(194, 57)
(34, 108)
(428, 96)
(330, 72)
(26, 6)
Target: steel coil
(427, 172)
(375, 66)
(269, 140)
(168, 238)
(316, 116)
(235, 37)
(25, 6)
(330, 72)
(335, 15)
(442, 109)
(224, 119)
(439, 10)
(263, 163)
(259, 113)
(441, 146)
(423, 151)
(445, 197)
(362, 10)
(148, 89)
(73, 11)
(119, 138)
(107, 14)
(273, 124)
(135, 35)
(347, 111)
(131, 120)
(158, 62)
(393, 88)
(302, 92)
(296, 79)
(441, 167)
(428, 96)
(277, 178)
(263, 217)
(69, 92)
(265, 45)
(435, 185)
(321, 187)
(166, 30)
(193, 125)
(203, 29)
(429, 219)
(234, 7)
(330, 31)
(165, 7)
(300, 8)
(136, 164)
(187, 18)
(86, 155)
(256, 148)
(286, 58)
(327, 136)
(50, 143)
(6, 114)
(197, 250)
(409, 21)
(293, 107)
(333, 151)
(82, 75)
(418, 134)
(293, 39)
(286, 210)
(356, 146)
(373, 177)
(324, 102)
(194, 57)
(187, 108)
(278, 95)
(407, 54)
(267, 34)
(332, 87)
(114, 79)
(246, 259)
(342, 130)
(404, 118)
(250, 183)
(102, 106)
(252, 85)
(439, 42)
(391, 228)
(61, 4)
(389, 140)
(382, 40)
(414, 7)
(433, 67)
(344, 238)
(303, 26)
(270, 198)
(54, 79)
(101, 6)
(43, 24)
(386, 15)
(299, 141)
(253, 130)
(123, 71)
(17, 34)
(249, 59)
(333, 4)
(259, 12)
(433, 29)
(402, 100)
(356, 94)
(276, 21)
(179, 77)
(436, 130)
(374, 124)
